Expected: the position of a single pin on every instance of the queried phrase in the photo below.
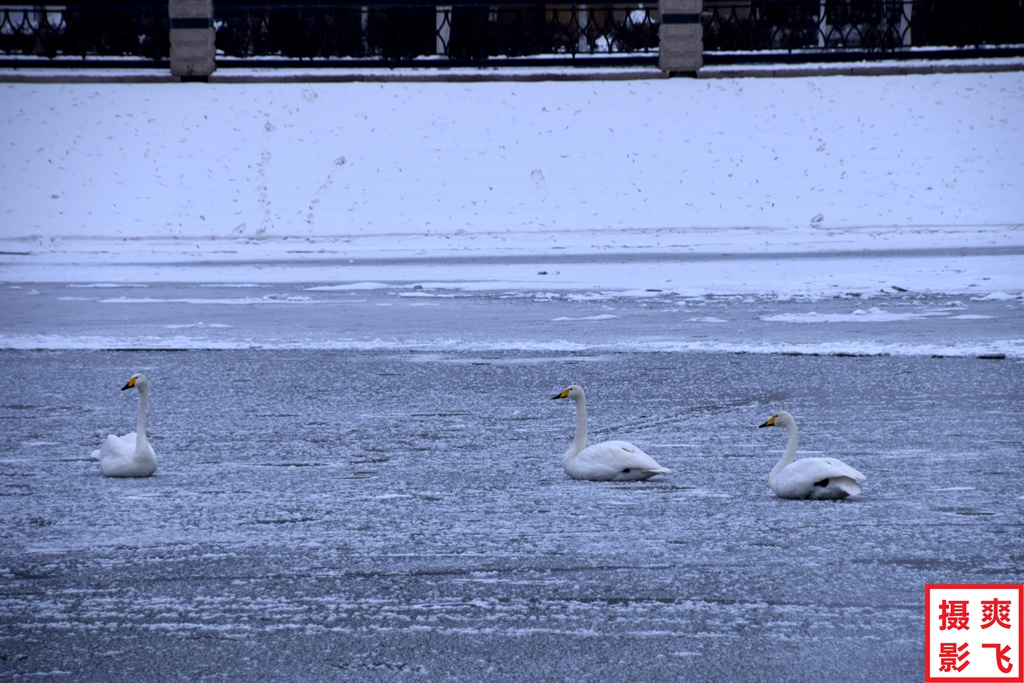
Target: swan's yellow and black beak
(130, 385)
(770, 422)
(564, 394)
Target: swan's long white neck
(140, 426)
(579, 441)
(790, 454)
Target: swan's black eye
(625, 471)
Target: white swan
(813, 478)
(129, 455)
(606, 461)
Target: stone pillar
(193, 44)
(681, 36)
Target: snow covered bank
(783, 263)
(158, 178)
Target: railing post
(823, 28)
(680, 37)
(582, 19)
(193, 40)
(906, 22)
(442, 29)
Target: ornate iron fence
(508, 32)
(108, 29)
(877, 26)
(373, 32)
(456, 32)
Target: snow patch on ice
(872, 315)
(235, 285)
(998, 296)
(1011, 348)
(198, 325)
(104, 285)
(249, 301)
(349, 286)
(601, 316)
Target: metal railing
(455, 33)
(374, 32)
(892, 27)
(418, 32)
(463, 31)
(110, 29)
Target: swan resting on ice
(129, 455)
(606, 461)
(811, 478)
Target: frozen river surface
(366, 485)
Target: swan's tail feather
(95, 455)
(849, 485)
(640, 473)
(651, 471)
(835, 488)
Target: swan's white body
(813, 478)
(605, 461)
(129, 455)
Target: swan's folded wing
(116, 447)
(608, 459)
(806, 476)
(841, 469)
(636, 458)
